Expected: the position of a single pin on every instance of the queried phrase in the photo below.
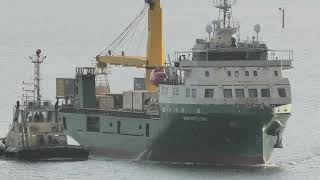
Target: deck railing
(117, 113)
(280, 55)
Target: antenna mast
(225, 6)
(37, 60)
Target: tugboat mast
(37, 60)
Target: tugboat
(36, 133)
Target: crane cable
(129, 30)
(128, 40)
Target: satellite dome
(257, 28)
(209, 28)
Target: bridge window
(265, 92)
(276, 73)
(255, 73)
(282, 92)
(227, 93)
(253, 93)
(93, 124)
(240, 93)
(209, 93)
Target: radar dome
(257, 28)
(209, 28)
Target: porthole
(236, 73)
(207, 74)
(140, 127)
(110, 124)
(229, 73)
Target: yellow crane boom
(126, 61)
(155, 47)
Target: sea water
(71, 33)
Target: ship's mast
(37, 60)
(224, 6)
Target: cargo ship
(224, 102)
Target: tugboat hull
(55, 153)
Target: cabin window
(226, 56)
(77, 90)
(177, 92)
(255, 73)
(194, 93)
(147, 130)
(240, 93)
(119, 127)
(276, 73)
(49, 118)
(188, 73)
(229, 73)
(207, 74)
(64, 121)
(227, 93)
(162, 90)
(166, 90)
(253, 93)
(209, 93)
(282, 92)
(93, 124)
(236, 74)
(187, 92)
(247, 73)
(199, 56)
(265, 92)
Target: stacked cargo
(110, 101)
(137, 100)
(105, 102)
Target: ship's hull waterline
(233, 135)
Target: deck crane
(155, 57)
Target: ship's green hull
(216, 134)
(220, 135)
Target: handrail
(119, 113)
